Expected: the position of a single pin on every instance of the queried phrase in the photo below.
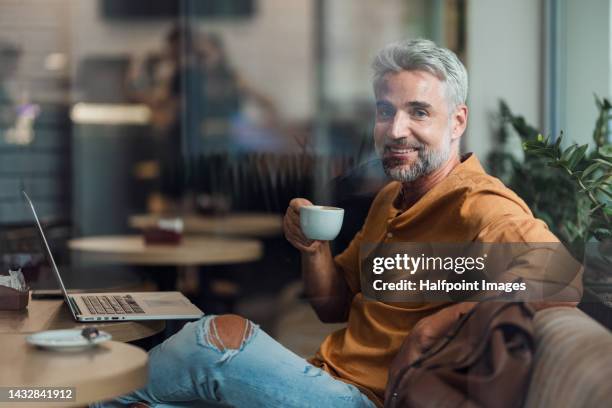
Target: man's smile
(401, 152)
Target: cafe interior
(161, 142)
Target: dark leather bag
(485, 361)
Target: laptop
(112, 306)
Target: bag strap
(431, 352)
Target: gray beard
(427, 161)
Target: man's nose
(400, 127)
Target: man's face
(415, 132)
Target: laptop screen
(47, 250)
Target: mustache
(403, 143)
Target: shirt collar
(469, 165)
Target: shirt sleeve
(348, 263)
(541, 260)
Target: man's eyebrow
(419, 104)
(411, 104)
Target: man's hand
(324, 285)
(293, 230)
(429, 330)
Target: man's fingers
(290, 224)
(295, 222)
(292, 228)
(303, 248)
(292, 232)
(296, 203)
(311, 247)
(293, 211)
(297, 238)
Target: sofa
(573, 359)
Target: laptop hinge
(74, 304)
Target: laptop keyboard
(102, 304)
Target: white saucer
(69, 340)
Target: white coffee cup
(321, 222)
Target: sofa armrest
(573, 361)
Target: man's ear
(459, 121)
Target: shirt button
(389, 235)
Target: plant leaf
(592, 167)
(606, 151)
(567, 153)
(577, 155)
(604, 162)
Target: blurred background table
(258, 225)
(103, 372)
(192, 251)
(54, 314)
(173, 263)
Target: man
(421, 115)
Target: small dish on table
(68, 340)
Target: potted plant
(567, 186)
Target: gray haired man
(420, 92)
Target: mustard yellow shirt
(468, 205)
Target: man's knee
(228, 332)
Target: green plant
(570, 188)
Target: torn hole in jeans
(213, 339)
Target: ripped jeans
(190, 370)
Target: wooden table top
(193, 250)
(54, 314)
(103, 372)
(258, 225)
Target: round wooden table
(258, 225)
(100, 373)
(193, 250)
(54, 314)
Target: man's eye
(420, 113)
(385, 112)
